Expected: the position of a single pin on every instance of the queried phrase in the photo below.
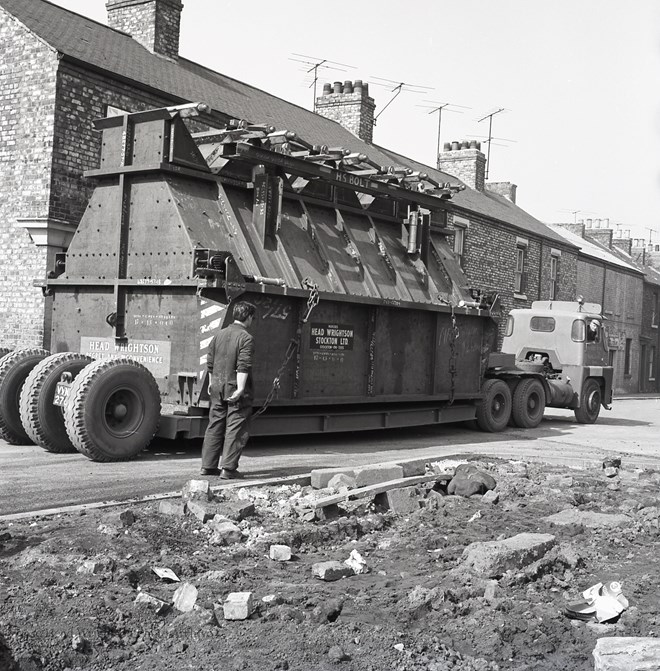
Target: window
(627, 363)
(460, 230)
(520, 277)
(554, 272)
(652, 363)
(546, 324)
(578, 331)
(654, 310)
(612, 354)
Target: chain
(452, 355)
(294, 343)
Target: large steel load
(364, 317)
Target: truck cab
(566, 343)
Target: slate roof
(96, 45)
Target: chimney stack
(153, 23)
(505, 189)
(465, 161)
(350, 105)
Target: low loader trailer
(365, 319)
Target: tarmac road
(32, 479)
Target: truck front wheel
(528, 403)
(590, 400)
(113, 410)
(494, 409)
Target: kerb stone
(491, 559)
(372, 475)
(322, 476)
(627, 653)
(400, 501)
(200, 510)
(235, 510)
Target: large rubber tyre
(528, 403)
(44, 422)
(590, 400)
(4, 351)
(14, 369)
(494, 409)
(113, 410)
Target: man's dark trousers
(227, 433)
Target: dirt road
(32, 479)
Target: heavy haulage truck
(365, 319)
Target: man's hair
(243, 310)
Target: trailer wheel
(44, 422)
(4, 351)
(590, 400)
(14, 369)
(528, 403)
(113, 410)
(494, 409)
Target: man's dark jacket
(231, 352)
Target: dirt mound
(69, 584)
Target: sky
(579, 82)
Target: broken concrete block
(197, 490)
(118, 519)
(470, 480)
(331, 570)
(624, 653)
(280, 553)
(491, 496)
(225, 532)
(146, 599)
(611, 472)
(235, 510)
(492, 559)
(108, 530)
(322, 476)
(201, 510)
(185, 597)
(400, 501)
(588, 518)
(356, 563)
(169, 507)
(372, 475)
(238, 606)
(273, 599)
(341, 481)
(96, 566)
(412, 467)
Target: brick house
(607, 274)
(59, 71)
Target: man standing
(230, 388)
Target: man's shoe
(210, 471)
(230, 474)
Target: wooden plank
(379, 488)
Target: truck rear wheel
(4, 351)
(14, 369)
(494, 409)
(113, 410)
(590, 400)
(44, 422)
(528, 403)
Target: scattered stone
(469, 480)
(197, 490)
(337, 655)
(174, 508)
(273, 599)
(558, 481)
(414, 467)
(108, 530)
(331, 570)
(491, 496)
(356, 563)
(125, 518)
(224, 532)
(623, 653)
(215, 576)
(96, 566)
(152, 601)
(235, 510)
(612, 462)
(328, 611)
(588, 518)
(403, 501)
(200, 510)
(321, 476)
(185, 597)
(399, 646)
(650, 476)
(238, 606)
(166, 574)
(372, 475)
(280, 553)
(494, 558)
(491, 591)
(611, 472)
(78, 643)
(341, 482)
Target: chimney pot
(327, 89)
(455, 145)
(337, 87)
(447, 146)
(357, 86)
(465, 144)
(348, 86)
(588, 223)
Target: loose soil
(418, 608)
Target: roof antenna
(490, 116)
(438, 107)
(398, 88)
(311, 66)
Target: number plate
(62, 392)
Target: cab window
(546, 324)
(578, 331)
(509, 326)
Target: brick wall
(650, 336)
(27, 104)
(465, 161)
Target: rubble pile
(416, 566)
